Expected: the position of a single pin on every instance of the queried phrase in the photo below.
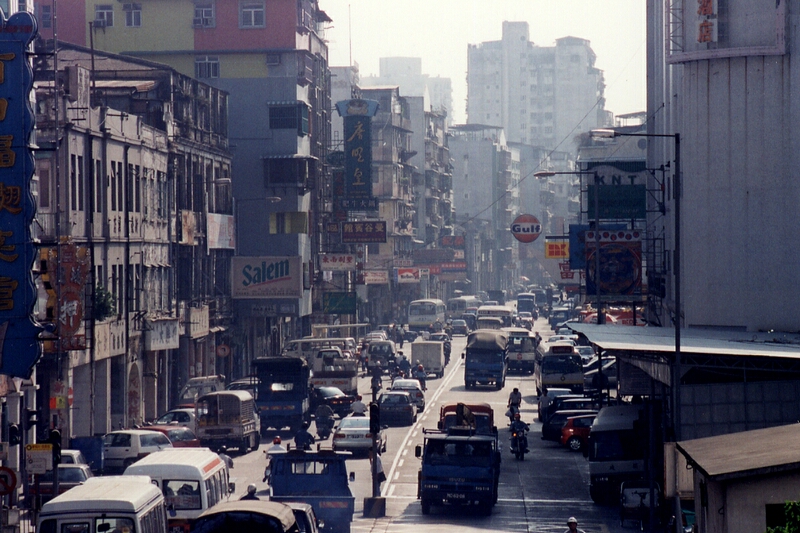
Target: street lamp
(676, 188)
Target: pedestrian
(251, 493)
(378, 466)
(572, 526)
(401, 335)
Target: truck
(318, 478)
(486, 359)
(331, 368)
(617, 450)
(282, 392)
(459, 467)
(431, 355)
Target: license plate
(456, 496)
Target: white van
(192, 480)
(118, 504)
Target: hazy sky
(439, 31)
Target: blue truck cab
(318, 478)
(282, 392)
(486, 358)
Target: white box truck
(430, 354)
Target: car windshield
(181, 435)
(395, 399)
(456, 453)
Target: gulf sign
(526, 228)
(266, 277)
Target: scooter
(518, 443)
(324, 428)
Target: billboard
(220, 232)
(357, 118)
(376, 277)
(620, 274)
(364, 232)
(337, 262)
(266, 277)
(407, 275)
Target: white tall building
(542, 96)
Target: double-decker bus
(423, 313)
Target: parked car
(459, 327)
(73, 457)
(572, 402)
(124, 447)
(545, 399)
(575, 433)
(333, 397)
(413, 387)
(554, 404)
(594, 362)
(587, 352)
(69, 476)
(179, 436)
(353, 435)
(397, 406)
(180, 417)
(551, 428)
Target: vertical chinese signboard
(357, 117)
(620, 276)
(19, 345)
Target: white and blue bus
(459, 305)
(423, 313)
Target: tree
(105, 303)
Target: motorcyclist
(514, 402)
(251, 493)
(520, 427)
(324, 419)
(404, 365)
(303, 439)
(572, 526)
(420, 375)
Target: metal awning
(693, 340)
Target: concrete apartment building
(271, 57)
(542, 96)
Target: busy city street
(536, 494)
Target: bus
(526, 303)
(192, 480)
(105, 504)
(503, 312)
(558, 364)
(307, 348)
(458, 306)
(423, 313)
(521, 350)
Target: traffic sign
(39, 458)
(8, 481)
(526, 228)
(223, 350)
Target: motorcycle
(512, 410)
(518, 443)
(324, 428)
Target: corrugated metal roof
(744, 454)
(693, 340)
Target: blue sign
(19, 343)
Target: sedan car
(124, 447)
(179, 436)
(587, 352)
(353, 435)
(397, 406)
(459, 327)
(334, 398)
(413, 387)
(69, 475)
(180, 417)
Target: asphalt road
(537, 494)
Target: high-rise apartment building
(542, 96)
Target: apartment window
(133, 15)
(119, 188)
(73, 184)
(104, 15)
(251, 14)
(283, 117)
(206, 67)
(45, 15)
(98, 177)
(204, 14)
(81, 179)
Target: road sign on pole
(8, 481)
(39, 458)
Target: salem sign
(266, 277)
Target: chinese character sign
(358, 156)
(19, 344)
(620, 261)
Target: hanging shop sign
(19, 345)
(367, 231)
(337, 262)
(266, 277)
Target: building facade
(542, 96)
